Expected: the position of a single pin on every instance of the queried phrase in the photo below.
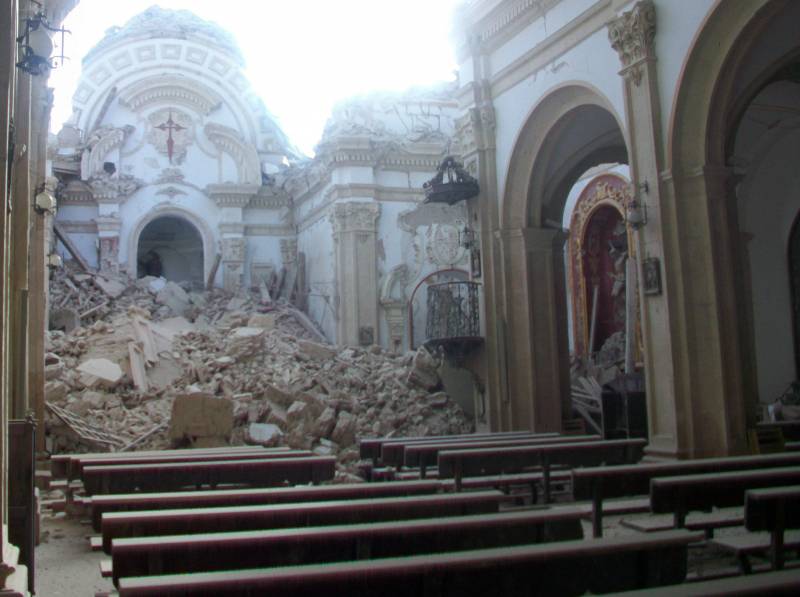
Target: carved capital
(632, 34)
(231, 195)
(355, 217)
(233, 249)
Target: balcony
(453, 323)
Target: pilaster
(354, 235)
(233, 254)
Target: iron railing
(453, 311)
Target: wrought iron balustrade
(453, 321)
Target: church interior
(534, 330)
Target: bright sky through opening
(302, 55)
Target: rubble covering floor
(152, 364)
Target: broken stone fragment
(55, 391)
(278, 396)
(424, 370)
(107, 371)
(315, 350)
(200, 415)
(298, 413)
(265, 321)
(264, 434)
(344, 433)
(174, 297)
(112, 288)
(325, 423)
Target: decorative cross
(169, 126)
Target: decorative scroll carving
(443, 246)
(170, 89)
(108, 188)
(244, 155)
(355, 217)
(100, 143)
(632, 36)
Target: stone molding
(108, 224)
(505, 21)
(229, 141)
(78, 226)
(354, 217)
(231, 195)
(101, 142)
(632, 35)
(236, 228)
(267, 230)
(171, 89)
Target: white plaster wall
(677, 24)
(316, 241)
(86, 244)
(769, 202)
(591, 62)
(262, 249)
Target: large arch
(573, 128)
(735, 53)
(159, 211)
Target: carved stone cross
(169, 126)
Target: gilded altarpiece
(599, 246)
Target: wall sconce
(44, 201)
(35, 45)
(636, 215)
(466, 238)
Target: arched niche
(713, 331)
(171, 247)
(572, 129)
(171, 211)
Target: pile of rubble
(153, 365)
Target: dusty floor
(65, 566)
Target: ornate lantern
(451, 184)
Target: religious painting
(171, 132)
(599, 247)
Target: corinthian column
(354, 236)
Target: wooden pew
(369, 448)
(263, 472)
(774, 510)
(462, 463)
(132, 459)
(259, 549)
(425, 454)
(564, 568)
(784, 582)
(789, 429)
(605, 482)
(685, 493)
(393, 452)
(61, 464)
(136, 502)
(240, 518)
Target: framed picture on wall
(651, 273)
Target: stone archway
(710, 317)
(571, 130)
(209, 245)
(171, 247)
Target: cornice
(268, 230)
(170, 88)
(231, 195)
(502, 23)
(78, 226)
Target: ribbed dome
(159, 23)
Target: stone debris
(161, 365)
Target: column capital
(632, 35)
(354, 216)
